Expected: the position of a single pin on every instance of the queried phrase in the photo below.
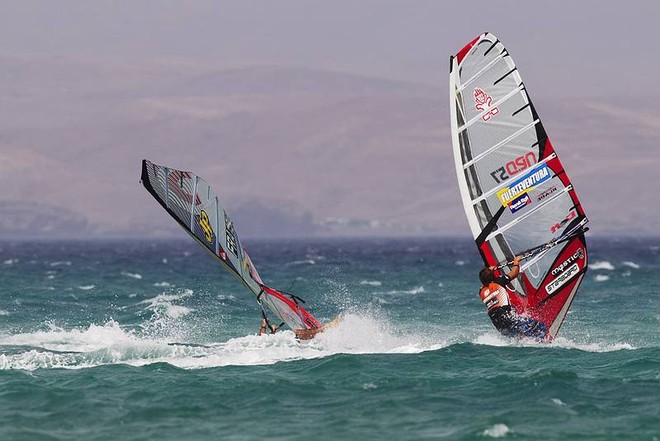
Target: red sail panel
(288, 309)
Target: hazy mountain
(290, 151)
(30, 220)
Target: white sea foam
(131, 275)
(3, 312)
(601, 265)
(558, 402)
(176, 311)
(460, 262)
(94, 346)
(563, 342)
(301, 262)
(415, 290)
(162, 284)
(86, 287)
(631, 264)
(60, 263)
(163, 304)
(163, 298)
(110, 344)
(358, 333)
(492, 338)
(93, 338)
(355, 334)
(10, 261)
(371, 282)
(497, 431)
(601, 278)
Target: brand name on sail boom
(523, 185)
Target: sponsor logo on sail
(579, 254)
(529, 181)
(514, 167)
(521, 163)
(546, 193)
(206, 226)
(569, 217)
(520, 203)
(565, 276)
(484, 102)
(230, 236)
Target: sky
(603, 54)
(408, 40)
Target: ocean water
(153, 340)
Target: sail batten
(515, 191)
(192, 203)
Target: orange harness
(494, 296)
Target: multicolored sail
(190, 200)
(517, 196)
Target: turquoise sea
(153, 340)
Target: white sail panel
(190, 200)
(515, 191)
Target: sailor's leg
(529, 327)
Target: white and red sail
(190, 200)
(515, 190)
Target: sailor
(265, 327)
(496, 299)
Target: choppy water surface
(153, 340)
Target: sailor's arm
(515, 268)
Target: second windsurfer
(265, 327)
